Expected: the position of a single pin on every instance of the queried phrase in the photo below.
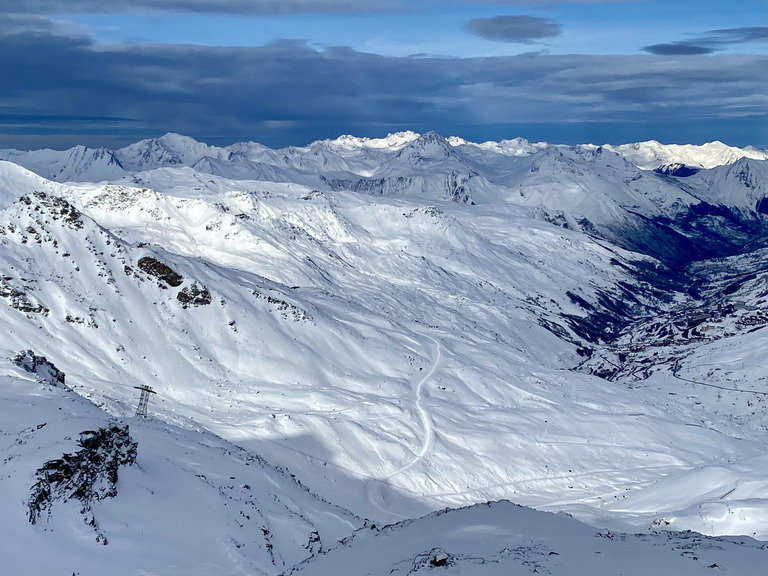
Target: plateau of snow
(347, 337)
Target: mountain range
(364, 349)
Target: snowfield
(347, 337)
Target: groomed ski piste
(349, 338)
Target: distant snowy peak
(514, 147)
(652, 154)
(251, 151)
(75, 164)
(349, 157)
(593, 183)
(582, 159)
(430, 146)
(648, 155)
(91, 164)
(402, 162)
(168, 150)
(393, 140)
(743, 184)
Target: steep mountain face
(401, 325)
(676, 169)
(76, 164)
(729, 215)
(168, 150)
(740, 185)
(674, 219)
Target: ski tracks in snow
(375, 488)
(426, 421)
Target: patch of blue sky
(438, 28)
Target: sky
(288, 72)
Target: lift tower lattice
(141, 410)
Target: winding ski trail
(426, 421)
(375, 487)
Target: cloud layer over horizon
(62, 86)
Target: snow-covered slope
(76, 164)
(741, 185)
(589, 182)
(396, 352)
(501, 538)
(168, 150)
(16, 181)
(191, 504)
(618, 192)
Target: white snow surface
(84, 164)
(501, 538)
(652, 154)
(601, 185)
(387, 351)
(193, 503)
(16, 181)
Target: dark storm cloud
(521, 29)
(712, 41)
(678, 49)
(195, 6)
(287, 92)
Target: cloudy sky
(281, 72)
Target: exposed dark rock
(88, 475)
(40, 366)
(194, 295)
(734, 286)
(285, 308)
(59, 208)
(556, 329)
(438, 561)
(456, 186)
(587, 227)
(19, 299)
(164, 273)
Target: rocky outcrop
(194, 295)
(88, 475)
(39, 366)
(164, 273)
